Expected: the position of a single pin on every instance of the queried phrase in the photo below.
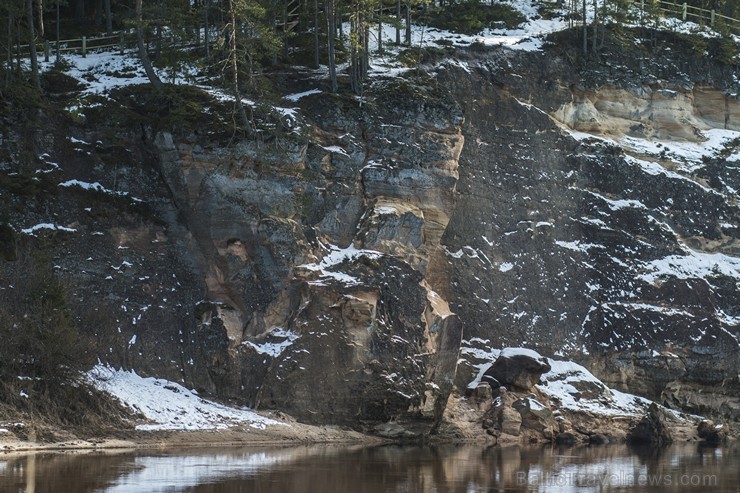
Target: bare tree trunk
(365, 49)
(143, 55)
(572, 11)
(596, 26)
(10, 41)
(32, 45)
(398, 20)
(316, 33)
(380, 28)
(207, 38)
(331, 32)
(338, 24)
(40, 18)
(408, 25)
(353, 62)
(58, 57)
(158, 44)
(98, 13)
(585, 30)
(79, 9)
(108, 18)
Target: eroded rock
(535, 416)
(502, 418)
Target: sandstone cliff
(335, 268)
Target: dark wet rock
(598, 439)
(519, 368)
(8, 243)
(712, 434)
(567, 438)
(652, 429)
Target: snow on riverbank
(170, 406)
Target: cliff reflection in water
(334, 469)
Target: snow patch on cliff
(693, 265)
(335, 257)
(688, 155)
(275, 349)
(575, 388)
(295, 97)
(484, 357)
(53, 227)
(568, 385)
(96, 187)
(169, 405)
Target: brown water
(334, 469)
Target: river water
(347, 469)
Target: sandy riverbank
(289, 432)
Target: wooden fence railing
(48, 48)
(688, 12)
(119, 40)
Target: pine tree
(361, 14)
(248, 41)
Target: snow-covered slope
(170, 406)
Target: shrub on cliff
(41, 346)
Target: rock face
(320, 281)
(605, 251)
(647, 112)
(331, 269)
(517, 367)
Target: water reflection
(334, 469)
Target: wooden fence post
(84, 46)
(46, 50)
(121, 42)
(685, 9)
(712, 21)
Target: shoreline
(298, 434)
(194, 439)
